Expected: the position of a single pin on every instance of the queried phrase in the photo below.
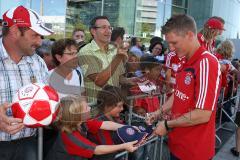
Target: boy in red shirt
(109, 104)
(150, 83)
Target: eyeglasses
(70, 53)
(104, 27)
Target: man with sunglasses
(102, 62)
(19, 65)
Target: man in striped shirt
(191, 129)
(19, 66)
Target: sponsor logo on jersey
(181, 95)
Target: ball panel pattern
(36, 104)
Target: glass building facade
(142, 18)
(228, 10)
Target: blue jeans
(22, 149)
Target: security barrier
(222, 100)
(155, 139)
(158, 139)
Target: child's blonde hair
(71, 114)
(209, 33)
(226, 49)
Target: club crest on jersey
(187, 80)
(130, 131)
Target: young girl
(72, 142)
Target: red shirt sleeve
(76, 144)
(207, 83)
(93, 125)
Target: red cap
(214, 24)
(24, 17)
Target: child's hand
(131, 146)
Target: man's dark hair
(180, 24)
(93, 21)
(59, 47)
(117, 32)
(134, 41)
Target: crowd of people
(94, 79)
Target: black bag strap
(80, 76)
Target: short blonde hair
(71, 114)
(226, 49)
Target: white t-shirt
(66, 87)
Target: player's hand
(9, 124)
(130, 146)
(160, 129)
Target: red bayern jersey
(105, 137)
(79, 145)
(74, 145)
(197, 88)
(174, 63)
(210, 46)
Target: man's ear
(190, 35)
(93, 32)
(58, 57)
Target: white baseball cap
(24, 17)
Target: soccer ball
(36, 104)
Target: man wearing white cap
(19, 65)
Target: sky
(50, 7)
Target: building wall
(127, 13)
(200, 10)
(229, 11)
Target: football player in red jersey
(191, 130)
